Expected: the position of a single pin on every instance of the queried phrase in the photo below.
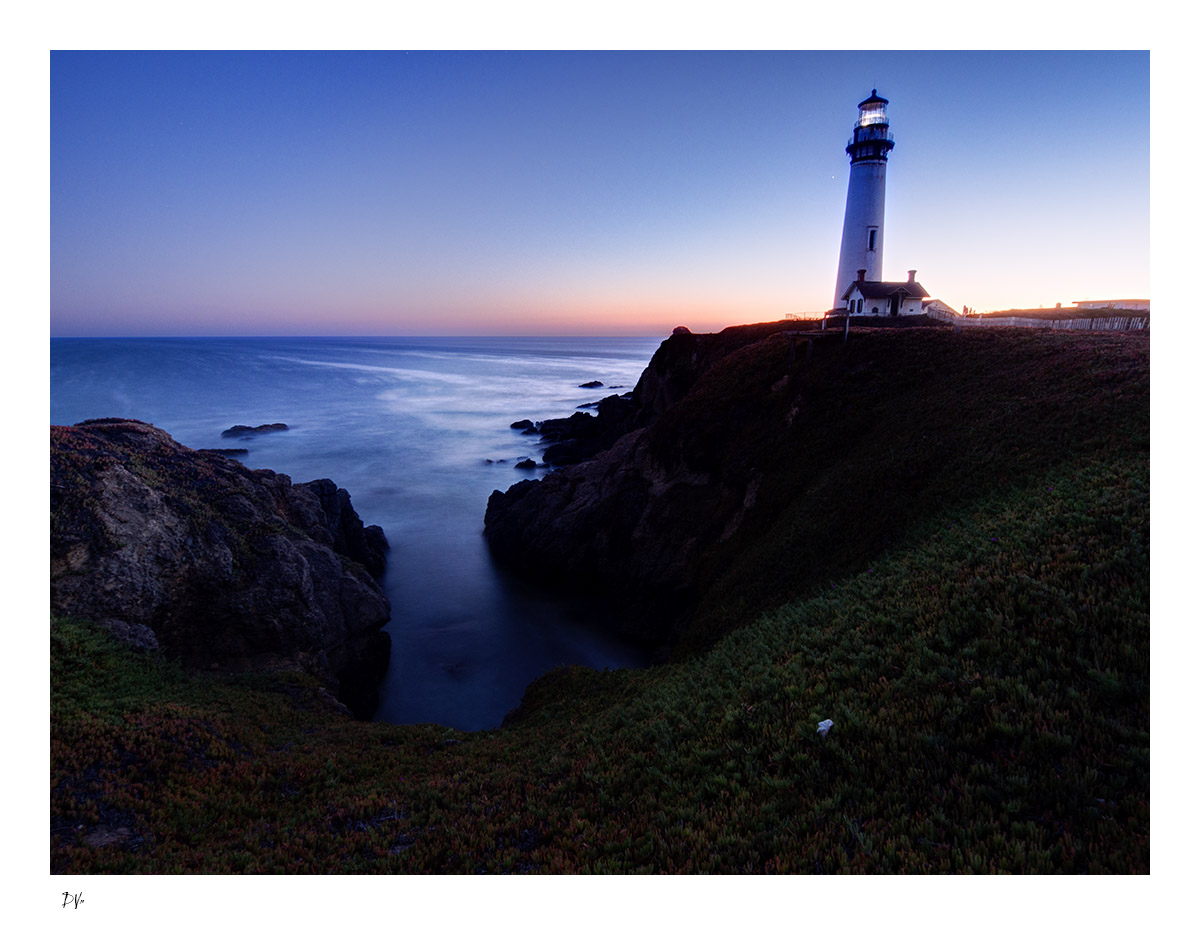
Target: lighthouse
(862, 229)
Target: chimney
(912, 276)
(862, 276)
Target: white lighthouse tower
(862, 229)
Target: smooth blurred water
(406, 426)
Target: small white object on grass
(824, 726)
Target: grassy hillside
(979, 638)
(874, 443)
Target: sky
(541, 192)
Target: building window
(871, 238)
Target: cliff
(219, 566)
(754, 469)
(624, 518)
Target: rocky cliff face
(220, 566)
(638, 516)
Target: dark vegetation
(948, 558)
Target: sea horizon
(344, 336)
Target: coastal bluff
(218, 566)
(761, 462)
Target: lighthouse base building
(876, 298)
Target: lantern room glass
(872, 115)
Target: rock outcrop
(583, 436)
(601, 525)
(219, 566)
(637, 502)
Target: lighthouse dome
(872, 111)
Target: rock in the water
(594, 384)
(526, 464)
(231, 451)
(219, 564)
(244, 430)
(523, 424)
(583, 435)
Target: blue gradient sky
(544, 192)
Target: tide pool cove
(406, 426)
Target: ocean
(417, 431)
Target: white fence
(1112, 323)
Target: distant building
(1130, 305)
(876, 298)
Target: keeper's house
(875, 298)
